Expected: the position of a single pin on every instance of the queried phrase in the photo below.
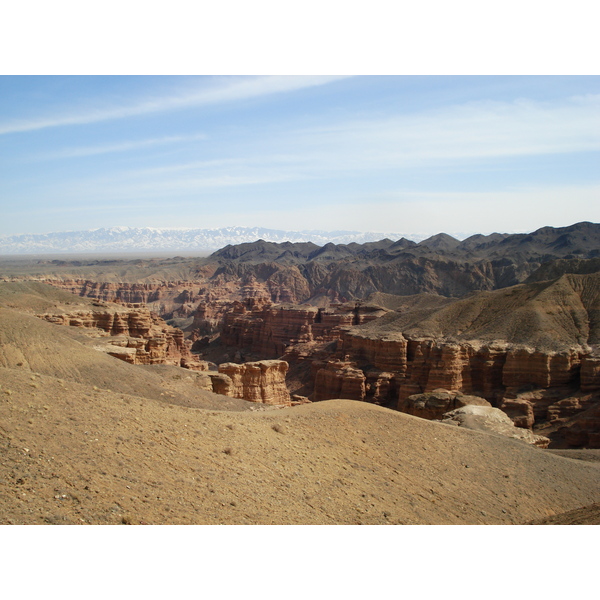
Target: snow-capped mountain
(148, 239)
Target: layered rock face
(590, 373)
(165, 297)
(496, 373)
(211, 289)
(133, 334)
(339, 379)
(268, 330)
(262, 381)
(583, 429)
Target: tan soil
(588, 515)
(72, 454)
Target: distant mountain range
(149, 239)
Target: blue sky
(411, 154)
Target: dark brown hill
(440, 264)
(551, 315)
(555, 268)
(441, 242)
(261, 251)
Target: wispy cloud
(458, 137)
(122, 146)
(466, 138)
(469, 131)
(227, 90)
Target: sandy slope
(27, 342)
(587, 515)
(74, 455)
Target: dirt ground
(72, 454)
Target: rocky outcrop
(433, 405)
(520, 411)
(590, 373)
(499, 373)
(574, 422)
(339, 379)
(582, 430)
(132, 333)
(524, 366)
(262, 381)
(492, 420)
(268, 329)
(126, 292)
(209, 316)
(208, 293)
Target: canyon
(233, 389)
(511, 319)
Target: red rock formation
(568, 407)
(524, 367)
(520, 411)
(262, 381)
(268, 330)
(496, 373)
(583, 429)
(590, 373)
(381, 387)
(146, 293)
(382, 353)
(433, 405)
(133, 334)
(339, 379)
(221, 384)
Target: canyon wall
(132, 333)
(262, 381)
(528, 384)
(269, 330)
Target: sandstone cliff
(268, 330)
(132, 333)
(262, 381)
(475, 346)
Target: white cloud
(456, 137)
(469, 131)
(122, 146)
(228, 90)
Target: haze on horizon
(420, 154)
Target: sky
(411, 154)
